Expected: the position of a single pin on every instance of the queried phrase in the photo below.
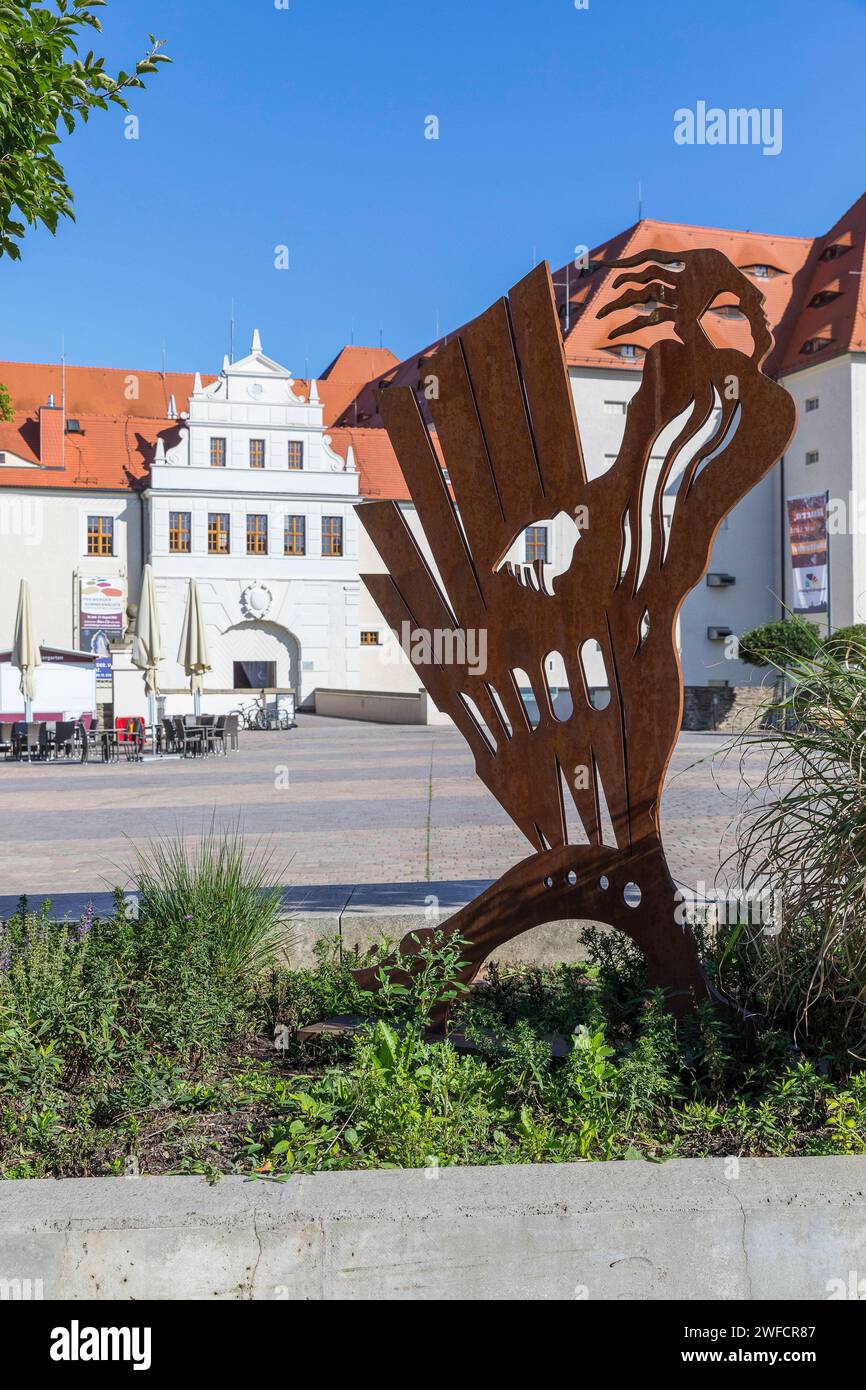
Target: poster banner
(807, 531)
(102, 606)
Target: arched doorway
(257, 653)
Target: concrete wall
(381, 707)
(689, 1229)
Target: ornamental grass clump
(801, 843)
(216, 892)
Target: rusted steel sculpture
(503, 413)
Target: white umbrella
(147, 648)
(25, 649)
(193, 654)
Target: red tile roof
(111, 454)
(344, 379)
(120, 433)
(589, 341)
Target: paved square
(393, 809)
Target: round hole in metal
(548, 882)
(631, 895)
(604, 883)
(572, 877)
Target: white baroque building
(253, 503)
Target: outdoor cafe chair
(230, 732)
(64, 738)
(218, 734)
(36, 741)
(188, 740)
(168, 735)
(7, 739)
(132, 740)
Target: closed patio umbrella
(193, 654)
(25, 649)
(147, 648)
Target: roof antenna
(163, 359)
(380, 337)
(63, 400)
(232, 332)
(639, 201)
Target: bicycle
(258, 716)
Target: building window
(833, 252)
(257, 534)
(812, 456)
(812, 402)
(100, 535)
(218, 452)
(815, 345)
(257, 453)
(295, 535)
(370, 639)
(296, 453)
(218, 533)
(254, 675)
(536, 543)
(332, 535)
(614, 407)
(180, 532)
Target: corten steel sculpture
(503, 412)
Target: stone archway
(258, 641)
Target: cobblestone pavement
(338, 803)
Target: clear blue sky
(305, 127)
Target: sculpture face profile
(504, 417)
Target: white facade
(254, 454)
(43, 538)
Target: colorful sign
(810, 553)
(102, 606)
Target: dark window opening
(254, 675)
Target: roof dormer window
(817, 344)
(762, 271)
(833, 251)
(629, 352)
(825, 296)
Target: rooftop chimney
(51, 429)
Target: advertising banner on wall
(102, 606)
(809, 544)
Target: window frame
(300, 530)
(178, 532)
(257, 441)
(530, 541)
(216, 531)
(216, 440)
(102, 531)
(257, 532)
(334, 538)
(299, 445)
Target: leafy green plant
(776, 644)
(47, 85)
